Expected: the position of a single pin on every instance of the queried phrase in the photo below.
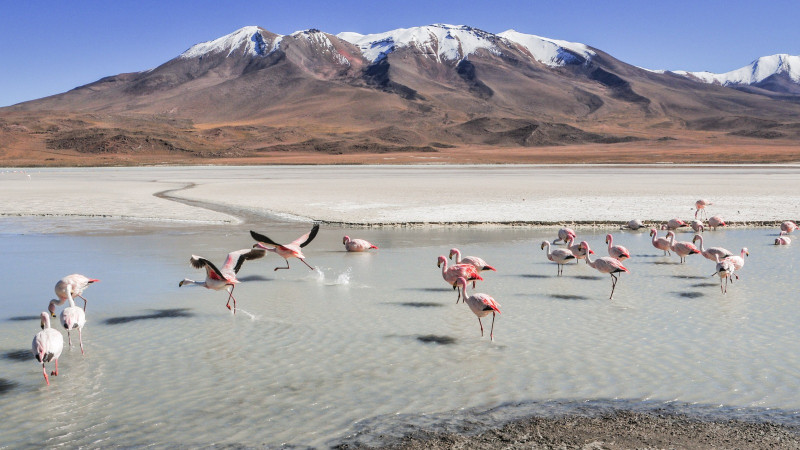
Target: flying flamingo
(674, 224)
(606, 265)
(634, 224)
(700, 205)
(564, 234)
(725, 270)
(617, 252)
(78, 283)
(71, 317)
(355, 245)
(711, 253)
(220, 279)
(697, 226)
(286, 251)
(783, 240)
(560, 256)
(660, 242)
(480, 304)
(47, 345)
(453, 273)
(479, 263)
(576, 250)
(682, 248)
(788, 226)
(716, 221)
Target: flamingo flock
(48, 344)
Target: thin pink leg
(44, 372)
(80, 338)
(304, 262)
(491, 333)
(481, 324)
(55, 372)
(84, 302)
(287, 265)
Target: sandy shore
(407, 194)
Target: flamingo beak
(591, 252)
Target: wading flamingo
(634, 224)
(738, 260)
(356, 245)
(711, 253)
(560, 256)
(286, 251)
(682, 248)
(617, 252)
(71, 317)
(47, 345)
(716, 221)
(479, 263)
(700, 205)
(783, 240)
(674, 224)
(788, 227)
(453, 273)
(660, 242)
(697, 226)
(78, 283)
(480, 304)
(220, 279)
(725, 270)
(607, 265)
(576, 250)
(564, 235)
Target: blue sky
(48, 47)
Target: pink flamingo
(617, 252)
(725, 269)
(71, 317)
(700, 205)
(453, 273)
(560, 256)
(660, 242)
(75, 281)
(576, 250)
(480, 304)
(479, 263)
(220, 279)
(286, 251)
(606, 265)
(697, 226)
(788, 227)
(783, 240)
(564, 234)
(738, 260)
(674, 224)
(356, 245)
(47, 345)
(682, 248)
(711, 253)
(716, 221)
(633, 224)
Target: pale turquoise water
(314, 355)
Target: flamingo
(738, 260)
(788, 226)
(634, 224)
(725, 270)
(716, 221)
(606, 265)
(697, 226)
(560, 256)
(286, 251)
(674, 224)
(660, 242)
(480, 304)
(617, 252)
(576, 250)
(681, 248)
(71, 317)
(355, 245)
(47, 345)
(783, 240)
(78, 283)
(452, 273)
(700, 205)
(479, 263)
(711, 253)
(564, 234)
(220, 279)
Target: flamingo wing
(306, 239)
(261, 238)
(489, 303)
(236, 259)
(198, 262)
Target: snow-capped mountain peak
(753, 73)
(551, 52)
(250, 37)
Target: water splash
(246, 313)
(333, 278)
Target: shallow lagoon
(312, 355)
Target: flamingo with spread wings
(286, 251)
(217, 279)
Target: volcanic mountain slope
(254, 93)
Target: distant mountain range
(420, 89)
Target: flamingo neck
(69, 297)
(464, 291)
(589, 257)
(457, 253)
(700, 238)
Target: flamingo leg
(84, 302)
(613, 285)
(491, 333)
(44, 372)
(69, 338)
(80, 338)
(481, 324)
(304, 262)
(230, 296)
(287, 265)
(55, 372)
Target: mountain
(777, 73)
(436, 89)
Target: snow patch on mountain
(755, 72)
(250, 37)
(551, 52)
(440, 41)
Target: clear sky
(48, 47)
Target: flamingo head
(453, 251)
(44, 319)
(585, 246)
(664, 227)
(52, 307)
(544, 243)
(608, 238)
(345, 240)
(696, 237)
(670, 233)
(442, 260)
(746, 251)
(653, 232)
